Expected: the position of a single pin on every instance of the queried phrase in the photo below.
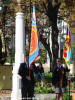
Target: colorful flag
(34, 45)
(67, 50)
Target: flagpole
(30, 24)
(30, 33)
(30, 16)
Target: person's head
(58, 61)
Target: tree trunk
(2, 48)
(52, 11)
(55, 46)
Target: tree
(2, 35)
(52, 12)
(6, 14)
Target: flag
(34, 45)
(67, 50)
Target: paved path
(37, 97)
(44, 96)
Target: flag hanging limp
(34, 45)
(67, 50)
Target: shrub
(43, 90)
(48, 77)
(48, 74)
(66, 97)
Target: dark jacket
(40, 70)
(57, 76)
(23, 72)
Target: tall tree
(51, 8)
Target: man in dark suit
(59, 80)
(26, 72)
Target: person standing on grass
(59, 79)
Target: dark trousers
(27, 92)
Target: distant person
(59, 80)
(40, 72)
(27, 75)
